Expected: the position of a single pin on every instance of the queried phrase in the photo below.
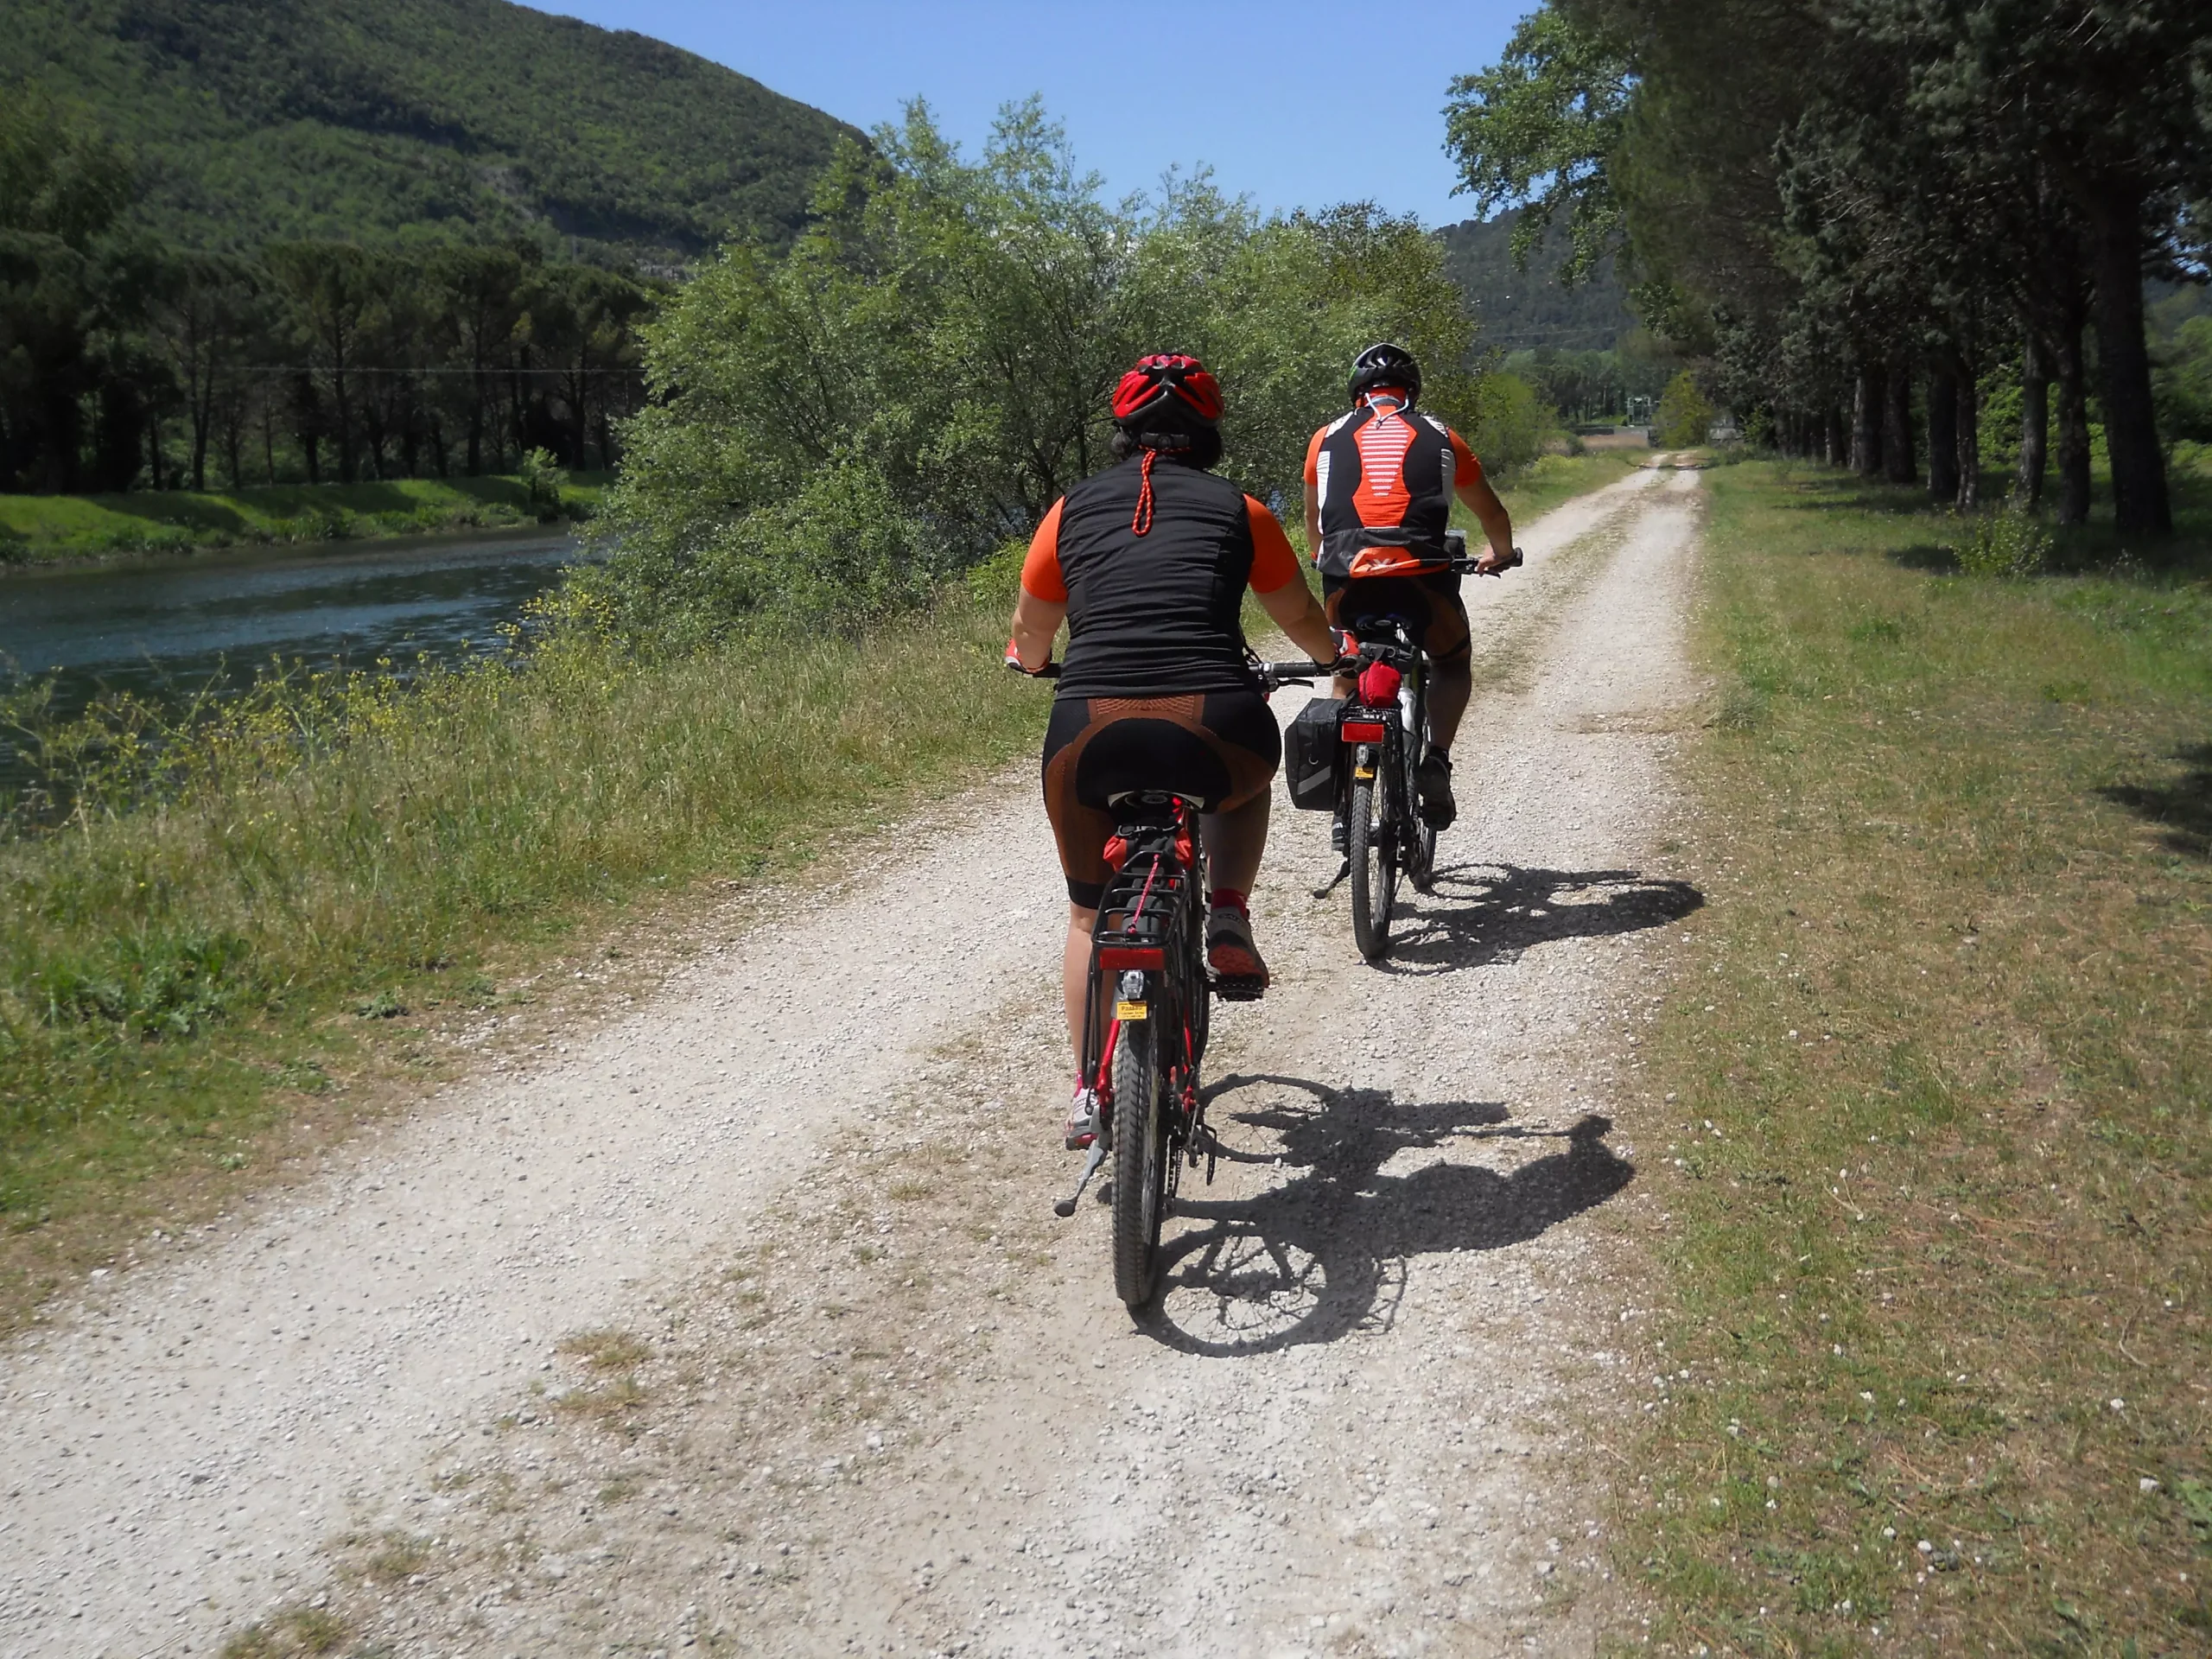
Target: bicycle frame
(1148, 962)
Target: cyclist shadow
(1505, 910)
(1326, 1253)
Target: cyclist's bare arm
(1298, 613)
(1035, 621)
(1479, 498)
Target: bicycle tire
(1370, 844)
(1419, 832)
(1141, 1153)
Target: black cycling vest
(1158, 614)
(1416, 504)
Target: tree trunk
(1943, 434)
(1968, 425)
(2139, 466)
(1866, 401)
(1839, 442)
(2073, 427)
(2035, 422)
(1897, 463)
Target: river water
(171, 629)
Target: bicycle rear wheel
(1372, 843)
(1141, 1108)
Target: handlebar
(1274, 676)
(1467, 567)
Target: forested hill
(377, 120)
(1525, 310)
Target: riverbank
(44, 531)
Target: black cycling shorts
(1220, 748)
(1430, 605)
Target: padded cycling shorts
(1220, 748)
(1428, 604)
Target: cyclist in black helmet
(1379, 485)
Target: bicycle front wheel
(1141, 1105)
(1372, 843)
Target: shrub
(1511, 425)
(541, 477)
(1685, 417)
(2005, 544)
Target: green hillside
(421, 119)
(1528, 310)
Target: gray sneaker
(1082, 1127)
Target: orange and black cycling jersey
(1385, 477)
(1157, 614)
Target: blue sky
(1296, 105)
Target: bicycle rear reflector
(1131, 956)
(1360, 731)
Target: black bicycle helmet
(1385, 365)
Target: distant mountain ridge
(422, 120)
(1526, 310)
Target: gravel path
(746, 1326)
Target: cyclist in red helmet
(1148, 562)
(1379, 485)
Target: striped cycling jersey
(1385, 478)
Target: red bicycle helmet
(1157, 379)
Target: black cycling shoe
(1433, 776)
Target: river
(168, 629)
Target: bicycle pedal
(1240, 987)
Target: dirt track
(849, 1385)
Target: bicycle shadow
(1326, 1252)
(1508, 913)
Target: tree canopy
(839, 428)
(1855, 212)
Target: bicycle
(1147, 1019)
(1383, 729)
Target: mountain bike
(1384, 732)
(1147, 1019)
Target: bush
(1511, 424)
(542, 477)
(2005, 544)
(1685, 417)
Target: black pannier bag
(1309, 755)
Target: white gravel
(817, 1170)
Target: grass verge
(57, 528)
(183, 977)
(1550, 481)
(1938, 1076)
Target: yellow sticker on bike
(1363, 774)
(1132, 1011)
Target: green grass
(1551, 481)
(45, 529)
(1936, 1071)
(182, 970)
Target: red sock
(1229, 899)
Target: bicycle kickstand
(1334, 882)
(1066, 1206)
